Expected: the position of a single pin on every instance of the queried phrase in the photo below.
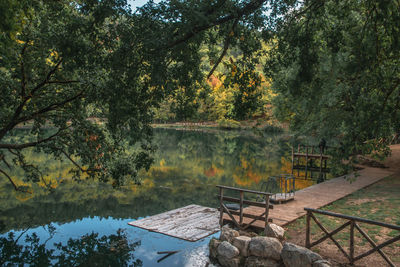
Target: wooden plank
(190, 223)
(178, 215)
(364, 234)
(317, 196)
(329, 235)
(316, 156)
(384, 244)
(247, 215)
(247, 202)
(358, 219)
(244, 190)
(241, 206)
(221, 201)
(266, 214)
(310, 169)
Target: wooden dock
(306, 156)
(315, 196)
(194, 222)
(190, 223)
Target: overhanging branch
(30, 144)
(14, 120)
(247, 9)
(9, 178)
(224, 50)
(63, 82)
(49, 108)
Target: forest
(89, 77)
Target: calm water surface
(85, 223)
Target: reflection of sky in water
(190, 253)
(187, 167)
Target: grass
(379, 202)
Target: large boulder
(273, 230)
(227, 234)
(254, 261)
(229, 262)
(293, 255)
(213, 246)
(242, 243)
(246, 233)
(321, 263)
(266, 247)
(225, 249)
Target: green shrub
(228, 124)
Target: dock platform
(194, 222)
(190, 223)
(316, 196)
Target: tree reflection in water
(187, 167)
(88, 250)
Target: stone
(242, 243)
(266, 247)
(229, 262)
(245, 233)
(213, 246)
(254, 261)
(227, 234)
(227, 250)
(273, 230)
(293, 255)
(321, 263)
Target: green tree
(336, 68)
(64, 59)
(184, 104)
(88, 250)
(246, 86)
(92, 71)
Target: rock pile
(245, 249)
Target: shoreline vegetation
(224, 124)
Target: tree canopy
(336, 70)
(84, 75)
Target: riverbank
(254, 124)
(379, 201)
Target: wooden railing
(310, 154)
(241, 201)
(353, 223)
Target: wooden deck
(190, 223)
(311, 156)
(316, 196)
(280, 198)
(195, 222)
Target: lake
(85, 222)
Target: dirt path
(393, 162)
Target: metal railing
(283, 187)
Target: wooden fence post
(298, 160)
(306, 162)
(352, 242)
(221, 209)
(241, 208)
(292, 158)
(266, 213)
(320, 162)
(308, 217)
